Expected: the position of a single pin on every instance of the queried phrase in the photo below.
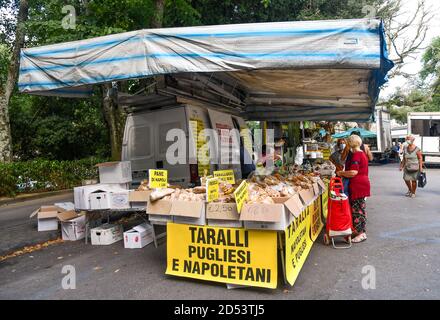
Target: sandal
(408, 194)
(360, 238)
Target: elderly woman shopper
(412, 165)
(356, 169)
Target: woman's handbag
(412, 166)
(421, 179)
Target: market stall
(236, 233)
(231, 232)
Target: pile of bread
(262, 189)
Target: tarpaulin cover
(364, 133)
(71, 68)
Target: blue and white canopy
(314, 70)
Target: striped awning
(334, 64)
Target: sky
(413, 66)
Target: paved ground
(403, 247)
(17, 230)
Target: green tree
(431, 71)
(57, 128)
(102, 17)
(248, 11)
(7, 89)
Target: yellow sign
(324, 204)
(298, 245)
(157, 179)
(315, 219)
(225, 175)
(212, 186)
(241, 194)
(228, 255)
(197, 129)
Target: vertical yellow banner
(298, 245)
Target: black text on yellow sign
(228, 255)
(241, 194)
(157, 179)
(298, 245)
(212, 186)
(225, 175)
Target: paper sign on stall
(212, 186)
(241, 195)
(227, 255)
(157, 179)
(203, 179)
(225, 175)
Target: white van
(425, 126)
(145, 145)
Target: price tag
(241, 195)
(204, 179)
(225, 175)
(157, 179)
(212, 186)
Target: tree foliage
(57, 128)
(5, 55)
(424, 94)
(431, 66)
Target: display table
(242, 256)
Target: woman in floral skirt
(356, 169)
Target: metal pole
(303, 137)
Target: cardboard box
(115, 172)
(68, 206)
(307, 196)
(99, 200)
(159, 211)
(275, 216)
(47, 217)
(82, 195)
(106, 234)
(322, 186)
(139, 199)
(139, 236)
(316, 190)
(223, 215)
(73, 225)
(189, 212)
(119, 200)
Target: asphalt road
(403, 248)
(17, 230)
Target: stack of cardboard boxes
(73, 224)
(112, 191)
